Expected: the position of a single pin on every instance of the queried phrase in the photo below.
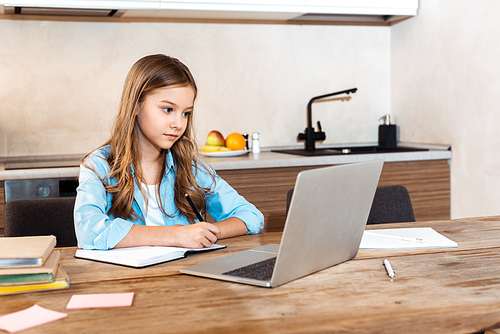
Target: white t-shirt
(153, 216)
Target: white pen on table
(388, 267)
(394, 237)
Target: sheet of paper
(100, 300)
(29, 318)
(419, 237)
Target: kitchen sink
(350, 150)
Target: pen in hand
(196, 212)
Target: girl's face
(163, 115)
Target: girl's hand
(197, 235)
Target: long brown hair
(146, 75)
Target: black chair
(48, 216)
(391, 204)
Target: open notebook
(140, 256)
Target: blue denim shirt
(96, 229)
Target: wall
(60, 81)
(445, 83)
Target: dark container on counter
(387, 133)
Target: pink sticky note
(100, 300)
(28, 318)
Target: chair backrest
(48, 216)
(391, 204)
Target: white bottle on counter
(255, 143)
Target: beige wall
(445, 89)
(60, 81)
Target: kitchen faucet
(310, 135)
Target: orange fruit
(235, 142)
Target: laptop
(324, 226)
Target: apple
(215, 138)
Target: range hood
(88, 12)
(381, 12)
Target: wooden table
(454, 290)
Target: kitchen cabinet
(86, 4)
(362, 7)
(366, 7)
(380, 12)
(264, 179)
(427, 181)
(241, 2)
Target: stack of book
(30, 264)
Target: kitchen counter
(268, 159)
(264, 179)
(34, 167)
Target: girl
(132, 189)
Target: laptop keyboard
(262, 270)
